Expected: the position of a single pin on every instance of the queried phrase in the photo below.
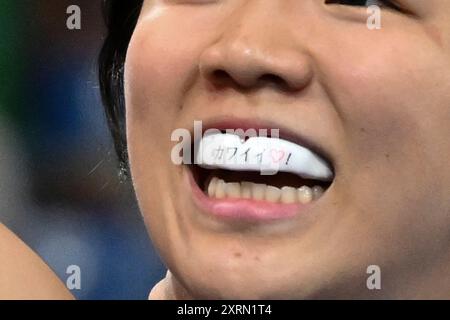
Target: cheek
(156, 71)
(393, 99)
(391, 94)
(161, 67)
(152, 77)
(162, 58)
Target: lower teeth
(220, 189)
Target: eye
(366, 3)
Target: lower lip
(243, 209)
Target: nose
(257, 49)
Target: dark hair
(120, 18)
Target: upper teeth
(268, 155)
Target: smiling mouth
(284, 176)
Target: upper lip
(228, 122)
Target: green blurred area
(12, 58)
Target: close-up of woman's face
(372, 104)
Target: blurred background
(59, 184)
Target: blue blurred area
(60, 190)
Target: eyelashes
(387, 4)
(366, 3)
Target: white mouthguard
(267, 155)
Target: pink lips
(242, 209)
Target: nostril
(269, 78)
(220, 78)
(220, 74)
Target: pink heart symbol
(277, 155)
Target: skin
(376, 101)
(23, 274)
